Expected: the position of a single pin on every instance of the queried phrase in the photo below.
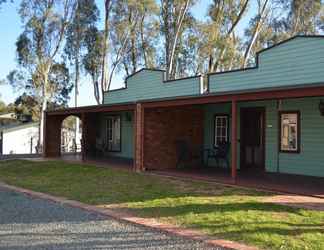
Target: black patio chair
(187, 153)
(182, 151)
(219, 153)
(101, 147)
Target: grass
(224, 212)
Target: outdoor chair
(100, 147)
(187, 154)
(219, 153)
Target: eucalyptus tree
(256, 25)
(139, 19)
(123, 35)
(85, 16)
(108, 6)
(304, 16)
(149, 32)
(39, 45)
(222, 42)
(91, 61)
(4, 1)
(173, 19)
(125, 19)
(277, 20)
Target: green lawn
(224, 212)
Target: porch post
(234, 140)
(83, 137)
(45, 148)
(139, 138)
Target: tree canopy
(147, 33)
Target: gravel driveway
(29, 223)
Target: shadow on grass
(224, 231)
(182, 210)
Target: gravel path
(29, 223)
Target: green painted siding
(210, 112)
(149, 84)
(310, 160)
(299, 61)
(127, 134)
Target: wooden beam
(139, 137)
(92, 109)
(83, 138)
(135, 139)
(234, 140)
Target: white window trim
(226, 136)
(298, 127)
(110, 118)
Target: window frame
(227, 128)
(108, 117)
(281, 113)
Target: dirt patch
(298, 201)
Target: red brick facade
(89, 130)
(52, 135)
(155, 133)
(163, 126)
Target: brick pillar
(52, 135)
(234, 140)
(139, 138)
(44, 149)
(89, 128)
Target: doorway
(252, 146)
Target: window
(289, 132)
(113, 133)
(221, 129)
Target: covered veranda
(147, 121)
(90, 118)
(148, 158)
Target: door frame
(262, 111)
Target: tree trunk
(44, 107)
(179, 23)
(96, 90)
(255, 34)
(166, 19)
(105, 48)
(143, 42)
(133, 43)
(77, 77)
(229, 33)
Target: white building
(22, 138)
(19, 138)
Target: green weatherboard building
(271, 115)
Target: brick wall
(52, 136)
(166, 125)
(89, 128)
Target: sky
(10, 29)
